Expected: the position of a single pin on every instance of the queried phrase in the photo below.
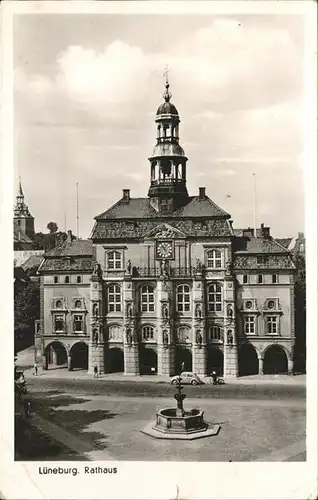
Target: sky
(86, 90)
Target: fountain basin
(168, 420)
(171, 424)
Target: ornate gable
(164, 232)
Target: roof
(124, 229)
(140, 208)
(284, 242)
(71, 248)
(21, 256)
(32, 262)
(167, 108)
(19, 236)
(72, 264)
(258, 245)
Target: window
(215, 332)
(214, 258)
(183, 298)
(56, 279)
(249, 324)
(259, 279)
(58, 304)
(78, 304)
(248, 304)
(271, 304)
(114, 260)
(272, 325)
(215, 297)
(78, 279)
(78, 324)
(274, 278)
(147, 298)
(301, 247)
(59, 323)
(66, 279)
(147, 333)
(244, 278)
(114, 298)
(115, 332)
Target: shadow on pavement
(75, 421)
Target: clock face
(165, 250)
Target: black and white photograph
(160, 242)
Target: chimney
(126, 195)
(201, 193)
(248, 233)
(265, 231)
(69, 237)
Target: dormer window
(114, 260)
(214, 259)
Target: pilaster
(199, 342)
(96, 323)
(230, 352)
(166, 350)
(131, 341)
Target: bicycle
(217, 381)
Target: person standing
(214, 377)
(35, 369)
(95, 371)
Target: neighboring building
(23, 223)
(65, 304)
(172, 284)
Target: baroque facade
(165, 282)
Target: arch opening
(275, 361)
(215, 361)
(115, 360)
(183, 359)
(148, 361)
(56, 355)
(79, 356)
(247, 360)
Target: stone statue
(199, 337)
(198, 312)
(129, 310)
(230, 337)
(230, 311)
(164, 233)
(165, 312)
(165, 337)
(95, 336)
(198, 266)
(95, 310)
(128, 266)
(97, 269)
(228, 268)
(129, 337)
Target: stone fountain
(178, 423)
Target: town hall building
(166, 282)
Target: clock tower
(167, 190)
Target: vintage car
(187, 378)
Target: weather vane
(166, 73)
(167, 95)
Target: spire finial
(167, 95)
(20, 186)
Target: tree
(26, 311)
(300, 315)
(52, 227)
